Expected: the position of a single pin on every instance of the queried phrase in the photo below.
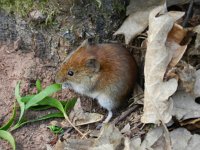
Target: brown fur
(116, 76)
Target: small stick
(189, 11)
(167, 137)
(82, 134)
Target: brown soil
(16, 66)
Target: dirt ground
(16, 66)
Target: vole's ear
(93, 64)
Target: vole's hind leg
(107, 103)
(110, 114)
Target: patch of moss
(24, 7)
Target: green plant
(56, 129)
(37, 101)
(7, 136)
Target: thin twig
(167, 137)
(84, 136)
(189, 11)
(67, 118)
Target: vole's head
(80, 68)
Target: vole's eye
(70, 73)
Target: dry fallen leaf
(175, 36)
(137, 20)
(187, 76)
(110, 135)
(185, 106)
(126, 129)
(134, 25)
(103, 147)
(197, 84)
(59, 145)
(77, 144)
(154, 140)
(181, 139)
(195, 49)
(184, 140)
(157, 104)
(110, 138)
(133, 144)
(79, 117)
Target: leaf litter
(137, 20)
(171, 85)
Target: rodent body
(106, 72)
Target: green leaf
(56, 129)
(10, 122)
(40, 107)
(54, 103)
(26, 98)
(45, 107)
(70, 104)
(18, 97)
(63, 106)
(40, 96)
(38, 86)
(48, 116)
(57, 104)
(7, 136)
